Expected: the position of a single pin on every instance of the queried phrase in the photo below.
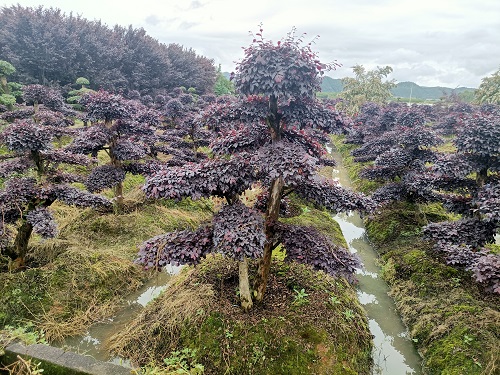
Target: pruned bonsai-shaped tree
(468, 182)
(6, 97)
(271, 140)
(125, 130)
(35, 179)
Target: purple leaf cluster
(35, 93)
(129, 149)
(186, 99)
(233, 112)
(18, 114)
(393, 191)
(313, 115)
(308, 139)
(43, 222)
(285, 70)
(388, 165)
(104, 106)
(15, 165)
(174, 108)
(373, 147)
(79, 198)
(147, 116)
(487, 202)
(480, 135)
(25, 136)
(486, 270)
(179, 247)
(15, 196)
(238, 232)
(91, 139)
(59, 177)
(245, 138)
(50, 118)
(485, 266)
(284, 159)
(411, 118)
(453, 164)
(103, 177)
(145, 168)
(469, 231)
(462, 255)
(63, 156)
(330, 195)
(368, 115)
(209, 98)
(216, 177)
(307, 245)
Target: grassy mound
(453, 322)
(309, 323)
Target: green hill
(402, 89)
(407, 89)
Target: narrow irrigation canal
(93, 342)
(394, 352)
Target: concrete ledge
(56, 361)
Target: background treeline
(50, 47)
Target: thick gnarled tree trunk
(21, 245)
(272, 216)
(273, 207)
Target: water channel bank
(93, 343)
(454, 322)
(394, 352)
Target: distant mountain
(330, 84)
(402, 89)
(405, 89)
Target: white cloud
(445, 42)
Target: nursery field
(106, 186)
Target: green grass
(309, 322)
(81, 277)
(200, 312)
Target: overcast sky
(448, 43)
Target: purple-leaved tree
(125, 130)
(477, 198)
(271, 137)
(24, 199)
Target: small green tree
(6, 98)
(74, 96)
(6, 69)
(489, 90)
(223, 86)
(467, 96)
(366, 86)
